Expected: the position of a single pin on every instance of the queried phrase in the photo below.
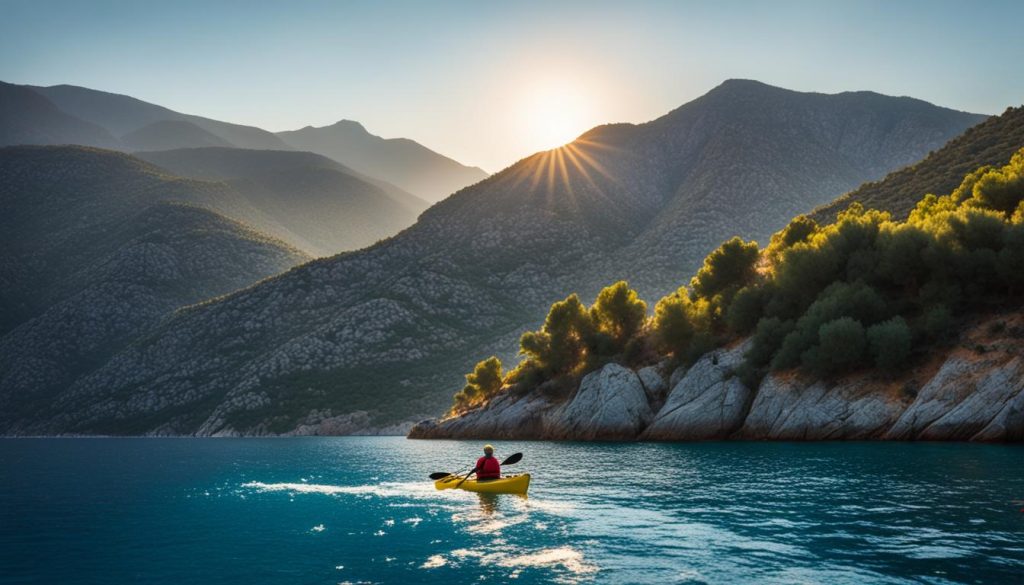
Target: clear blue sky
(490, 82)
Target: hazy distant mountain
(29, 118)
(121, 114)
(67, 114)
(168, 134)
(401, 161)
(98, 247)
(391, 329)
(308, 200)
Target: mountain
(29, 118)
(169, 134)
(401, 161)
(868, 327)
(308, 200)
(390, 329)
(99, 247)
(121, 115)
(67, 114)
(992, 142)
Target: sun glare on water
(556, 115)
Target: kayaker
(487, 467)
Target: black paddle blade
(513, 458)
(439, 475)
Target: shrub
(890, 343)
(1011, 258)
(858, 301)
(747, 308)
(767, 340)
(937, 323)
(840, 347)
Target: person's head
(488, 450)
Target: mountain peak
(350, 126)
(744, 86)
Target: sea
(348, 510)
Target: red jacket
(488, 468)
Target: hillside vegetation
(865, 291)
(992, 142)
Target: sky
(488, 83)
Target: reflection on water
(489, 503)
(363, 510)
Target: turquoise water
(359, 510)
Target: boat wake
(385, 489)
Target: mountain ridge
(401, 161)
(308, 200)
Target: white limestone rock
(611, 404)
(968, 399)
(787, 408)
(707, 402)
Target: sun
(555, 115)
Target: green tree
(481, 384)
(768, 338)
(726, 270)
(840, 346)
(901, 256)
(747, 308)
(857, 301)
(1001, 189)
(562, 341)
(679, 321)
(619, 313)
(937, 322)
(889, 343)
(799, 230)
(1011, 258)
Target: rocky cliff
(972, 391)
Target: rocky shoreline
(971, 392)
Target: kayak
(512, 484)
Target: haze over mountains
(27, 117)
(401, 161)
(305, 199)
(66, 114)
(99, 246)
(390, 329)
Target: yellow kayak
(512, 484)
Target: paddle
(513, 458)
(441, 474)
